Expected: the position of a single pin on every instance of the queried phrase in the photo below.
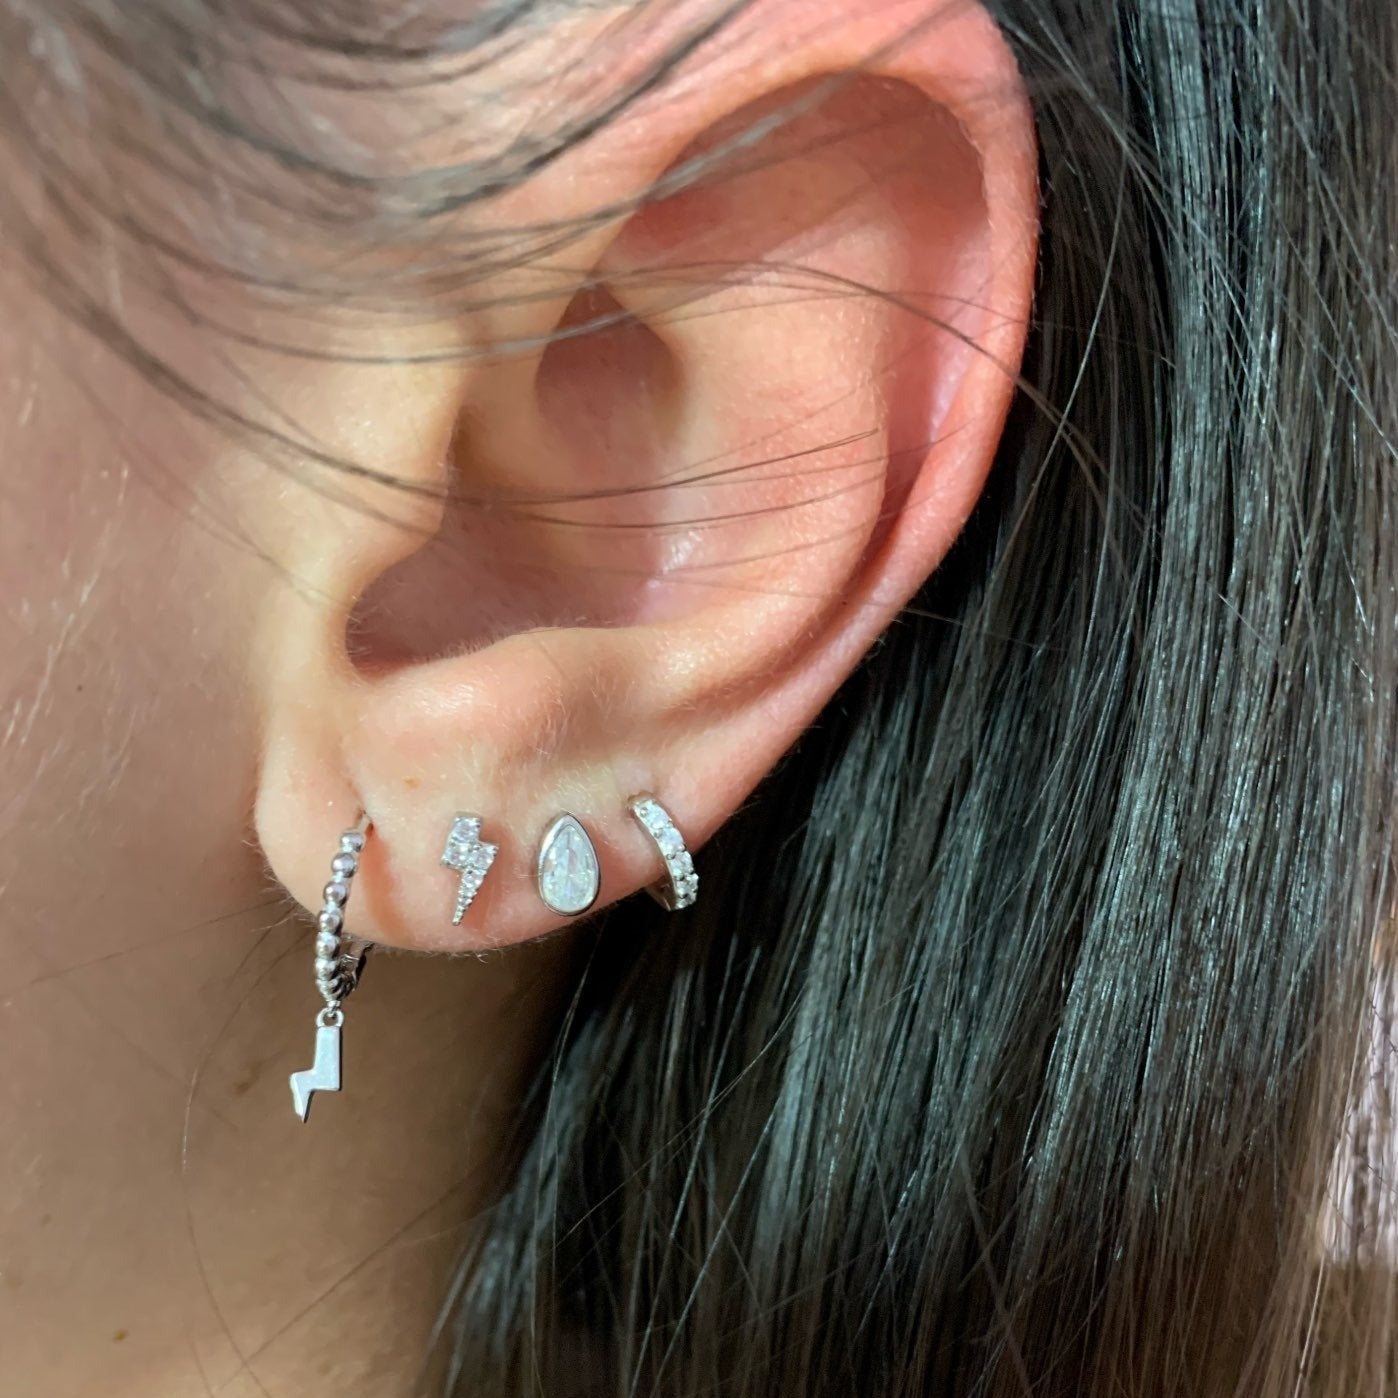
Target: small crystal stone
(569, 876)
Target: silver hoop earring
(471, 857)
(338, 965)
(680, 887)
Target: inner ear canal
(555, 516)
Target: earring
(568, 872)
(338, 966)
(470, 856)
(680, 887)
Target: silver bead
(336, 892)
(328, 944)
(344, 865)
(331, 918)
(352, 841)
(326, 966)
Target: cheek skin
(124, 734)
(155, 1226)
(125, 768)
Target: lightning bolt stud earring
(471, 857)
(339, 962)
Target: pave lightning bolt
(471, 857)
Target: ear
(720, 433)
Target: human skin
(166, 1225)
(185, 732)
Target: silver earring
(470, 856)
(568, 872)
(680, 887)
(338, 965)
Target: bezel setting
(569, 891)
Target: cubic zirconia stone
(569, 876)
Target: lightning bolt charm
(324, 1074)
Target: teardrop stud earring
(568, 872)
(338, 965)
(680, 887)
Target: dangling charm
(339, 962)
(324, 1074)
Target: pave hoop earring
(338, 965)
(680, 886)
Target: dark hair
(1010, 1044)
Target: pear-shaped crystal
(569, 876)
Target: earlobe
(728, 443)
